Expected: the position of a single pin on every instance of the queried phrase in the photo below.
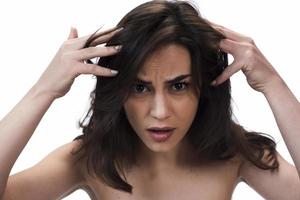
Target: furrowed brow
(171, 81)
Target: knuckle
(220, 29)
(223, 42)
(250, 51)
(91, 49)
(250, 40)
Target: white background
(32, 31)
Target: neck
(159, 162)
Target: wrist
(37, 92)
(275, 87)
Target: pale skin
(57, 177)
(54, 83)
(262, 77)
(162, 104)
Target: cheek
(187, 109)
(129, 109)
(133, 112)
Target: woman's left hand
(259, 72)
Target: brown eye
(138, 88)
(180, 86)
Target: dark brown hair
(109, 142)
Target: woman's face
(159, 103)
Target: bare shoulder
(55, 176)
(272, 184)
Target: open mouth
(161, 135)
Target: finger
(92, 52)
(104, 38)
(230, 34)
(210, 22)
(229, 46)
(226, 74)
(110, 32)
(73, 33)
(94, 70)
(79, 43)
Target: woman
(159, 125)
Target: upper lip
(160, 128)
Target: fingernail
(119, 29)
(118, 48)
(113, 71)
(214, 83)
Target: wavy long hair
(109, 143)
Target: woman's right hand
(68, 63)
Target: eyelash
(186, 84)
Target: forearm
(17, 127)
(286, 110)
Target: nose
(159, 108)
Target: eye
(138, 88)
(180, 86)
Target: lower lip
(160, 136)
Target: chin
(163, 147)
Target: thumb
(73, 33)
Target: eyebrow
(171, 81)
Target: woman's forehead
(168, 60)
